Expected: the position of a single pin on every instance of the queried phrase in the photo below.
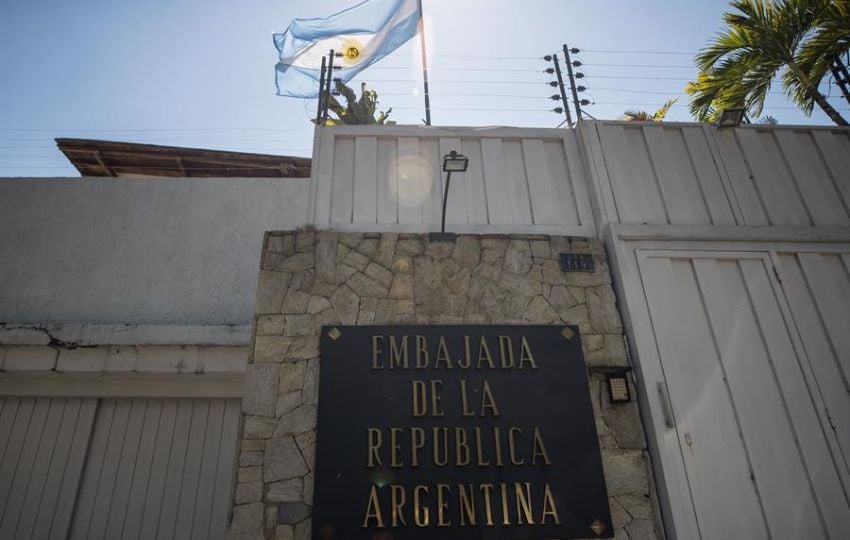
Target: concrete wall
(163, 251)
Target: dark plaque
(482, 432)
(576, 262)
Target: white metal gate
(116, 468)
(747, 446)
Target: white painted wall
(165, 251)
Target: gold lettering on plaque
(479, 449)
(539, 449)
(445, 444)
(419, 394)
(525, 356)
(506, 352)
(467, 506)
(417, 442)
(398, 353)
(373, 510)
(398, 500)
(497, 439)
(466, 361)
(484, 355)
(487, 490)
(488, 401)
(523, 503)
(377, 342)
(549, 508)
(506, 518)
(464, 400)
(375, 441)
(436, 397)
(422, 359)
(443, 354)
(421, 514)
(395, 447)
(461, 448)
(442, 505)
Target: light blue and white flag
(363, 34)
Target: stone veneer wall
(311, 279)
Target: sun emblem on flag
(351, 51)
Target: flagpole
(424, 64)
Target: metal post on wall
(320, 105)
(561, 88)
(328, 79)
(572, 81)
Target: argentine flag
(363, 34)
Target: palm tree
(356, 111)
(831, 39)
(634, 115)
(761, 38)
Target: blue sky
(200, 73)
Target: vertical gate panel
(42, 450)
(743, 405)
(705, 420)
(155, 468)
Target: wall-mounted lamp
(452, 162)
(729, 118)
(618, 387)
(617, 381)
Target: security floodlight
(730, 117)
(452, 162)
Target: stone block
(304, 241)
(247, 523)
(258, 427)
(346, 304)
(287, 402)
(29, 358)
(517, 257)
(303, 281)
(624, 421)
(625, 472)
(303, 530)
(386, 249)
(282, 460)
(293, 263)
(270, 349)
(402, 264)
(299, 325)
(539, 311)
(248, 493)
(309, 482)
(271, 289)
(615, 347)
(292, 376)
(438, 250)
(261, 382)
(303, 348)
(410, 246)
(281, 243)
(298, 420)
(252, 445)
(604, 316)
(317, 304)
(293, 512)
(249, 474)
(379, 274)
(284, 532)
(350, 239)
(402, 286)
(540, 249)
(325, 254)
(367, 246)
(271, 517)
(638, 506)
(295, 302)
(86, 359)
(356, 260)
(467, 251)
(363, 285)
(250, 458)
(641, 529)
(310, 391)
(287, 491)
